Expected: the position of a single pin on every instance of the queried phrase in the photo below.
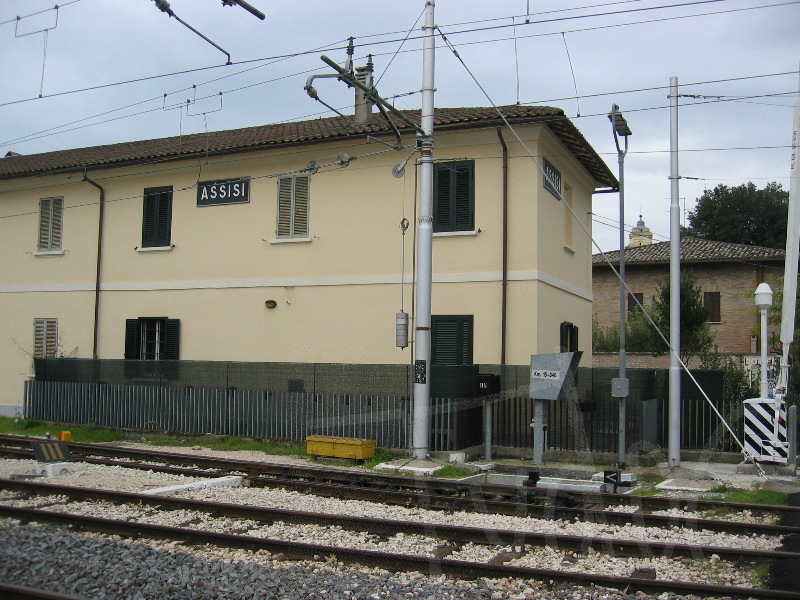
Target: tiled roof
(693, 250)
(298, 133)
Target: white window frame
(293, 208)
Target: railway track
(448, 539)
(500, 546)
(440, 494)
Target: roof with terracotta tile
(261, 137)
(693, 250)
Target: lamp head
(763, 296)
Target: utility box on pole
(552, 376)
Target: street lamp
(619, 386)
(763, 302)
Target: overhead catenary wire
(544, 173)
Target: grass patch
(770, 497)
(90, 433)
(232, 443)
(760, 574)
(453, 471)
(382, 456)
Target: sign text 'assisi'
(226, 191)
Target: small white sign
(545, 374)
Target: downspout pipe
(98, 263)
(504, 300)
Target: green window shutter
(172, 330)
(157, 217)
(132, 337)
(454, 202)
(451, 340)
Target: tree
(641, 336)
(741, 215)
(696, 337)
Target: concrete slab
(229, 481)
(412, 466)
(54, 469)
(688, 485)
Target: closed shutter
(293, 206)
(157, 217)
(451, 340)
(45, 338)
(454, 204)
(51, 212)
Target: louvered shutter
(451, 340)
(132, 337)
(50, 221)
(45, 338)
(463, 197)
(568, 337)
(172, 330)
(301, 198)
(157, 217)
(284, 207)
(454, 202)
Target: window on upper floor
(45, 338)
(712, 301)
(454, 196)
(157, 217)
(152, 339)
(51, 213)
(293, 207)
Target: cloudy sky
(101, 71)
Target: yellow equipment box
(340, 447)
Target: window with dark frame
(51, 216)
(293, 206)
(152, 339)
(712, 302)
(454, 196)
(568, 334)
(451, 339)
(157, 217)
(635, 302)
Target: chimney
(363, 107)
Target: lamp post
(619, 386)
(763, 302)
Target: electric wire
(540, 167)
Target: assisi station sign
(224, 191)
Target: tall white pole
(422, 318)
(674, 432)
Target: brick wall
(735, 281)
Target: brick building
(727, 273)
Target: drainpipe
(99, 258)
(504, 301)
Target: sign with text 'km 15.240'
(226, 191)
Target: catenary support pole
(422, 318)
(674, 430)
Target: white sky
(104, 71)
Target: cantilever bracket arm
(353, 82)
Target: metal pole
(620, 386)
(422, 319)
(674, 434)
(764, 387)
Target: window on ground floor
(152, 339)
